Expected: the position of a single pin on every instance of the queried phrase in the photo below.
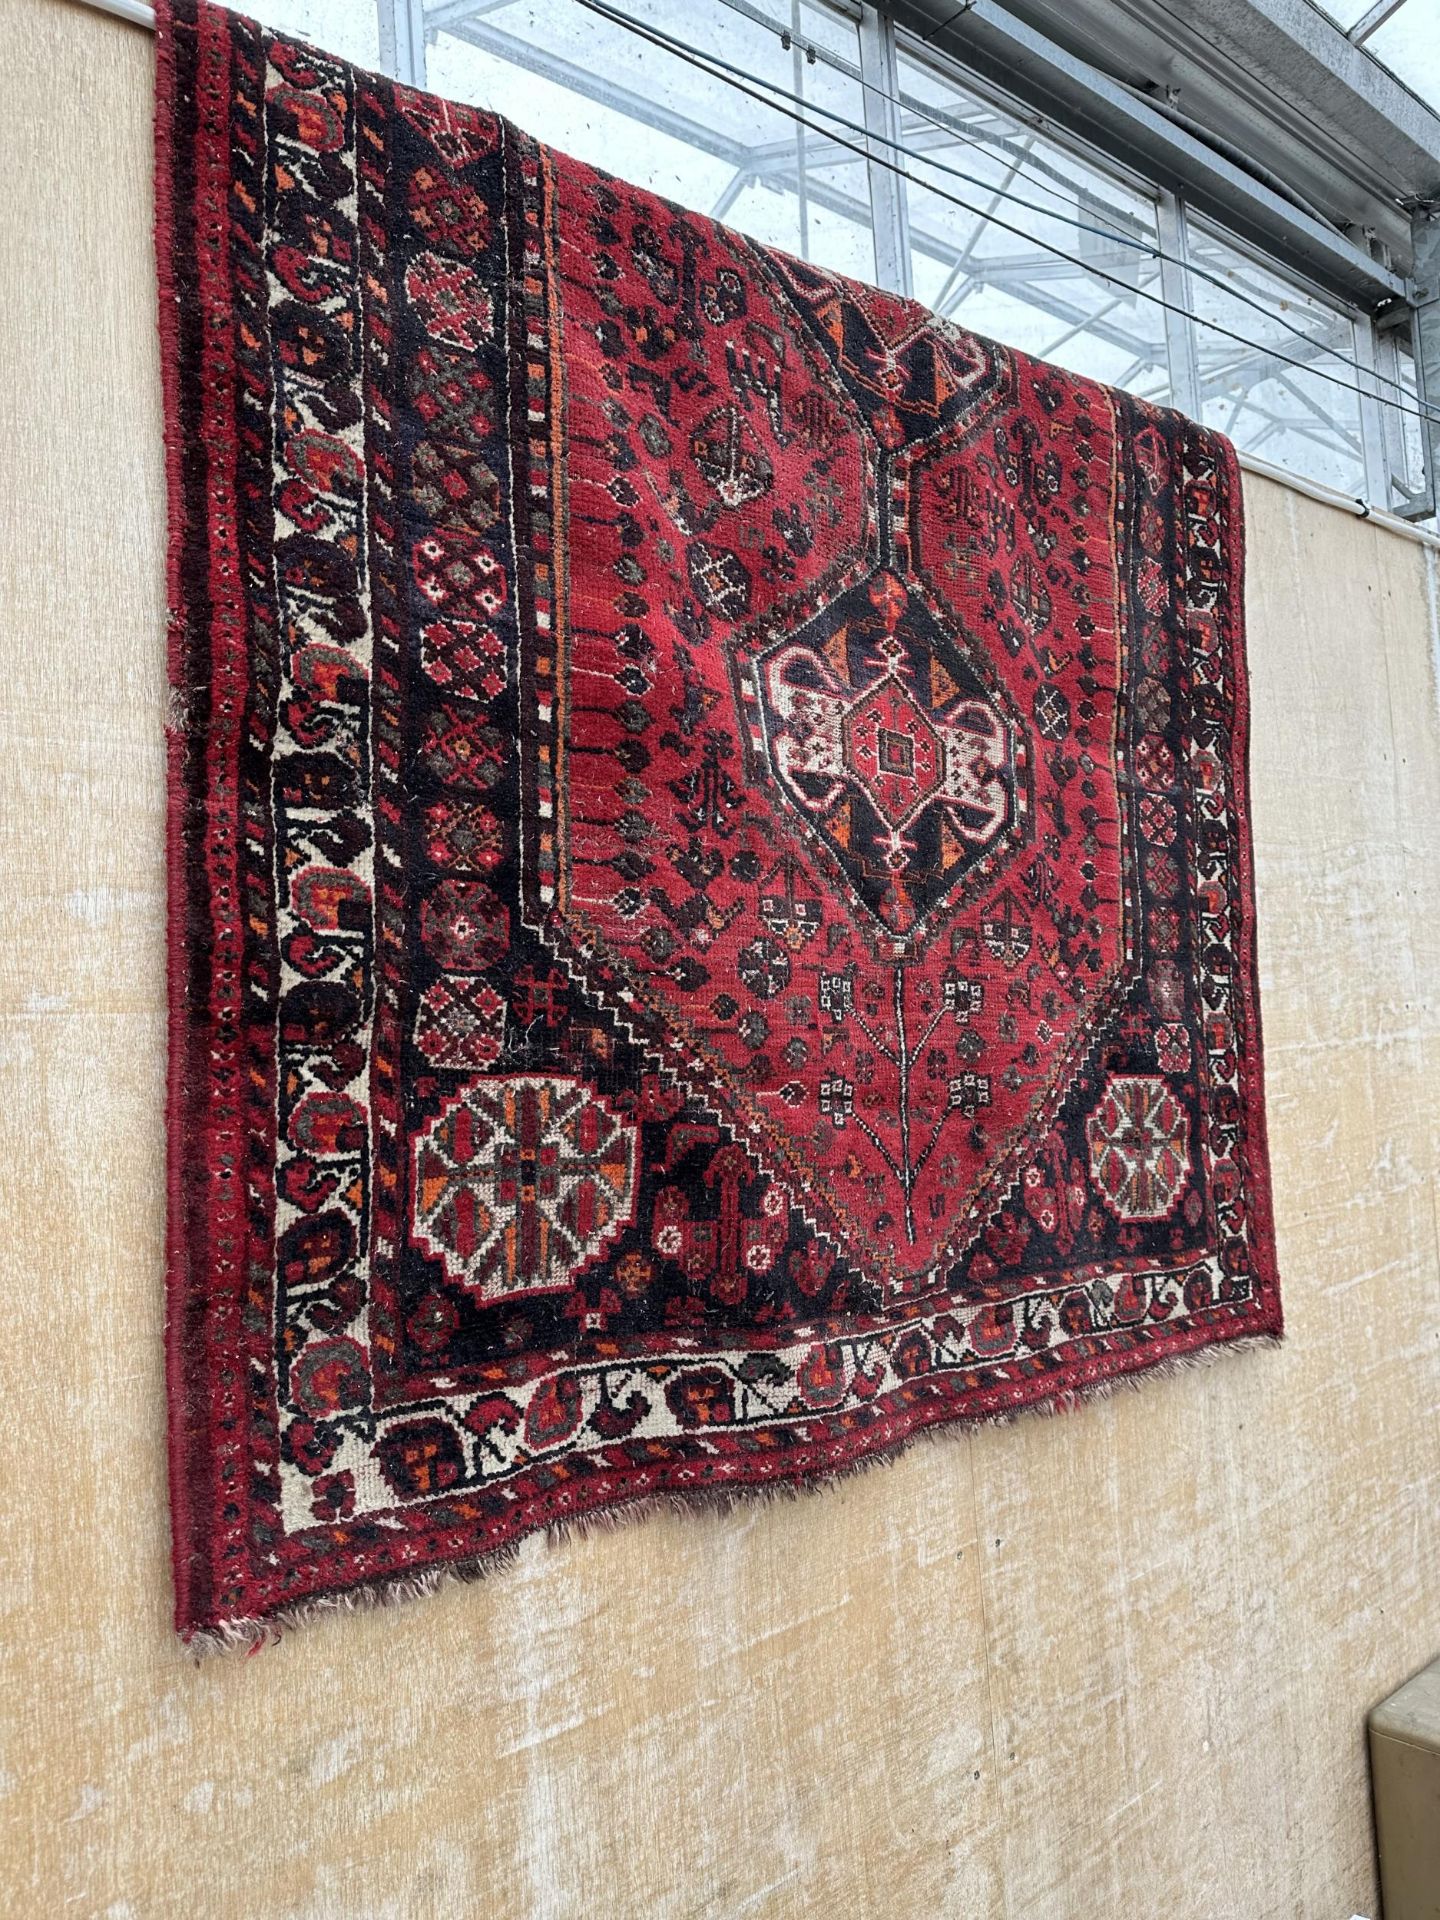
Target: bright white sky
(347, 27)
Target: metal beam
(442, 15)
(1372, 425)
(1374, 19)
(1010, 54)
(409, 30)
(1277, 79)
(1425, 337)
(882, 118)
(1175, 287)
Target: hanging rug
(711, 908)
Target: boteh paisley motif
(711, 912)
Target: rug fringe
(255, 1634)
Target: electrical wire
(1151, 250)
(1016, 159)
(717, 68)
(1021, 166)
(1018, 163)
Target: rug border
(178, 1249)
(1260, 1189)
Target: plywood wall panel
(1107, 1663)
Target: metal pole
(1425, 236)
(410, 42)
(1175, 285)
(888, 214)
(1372, 424)
(135, 11)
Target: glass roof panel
(990, 265)
(1259, 388)
(1409, 44)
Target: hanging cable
(719, 69)
(722, 69)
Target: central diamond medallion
(890, 750)
(880, 732)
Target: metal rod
(1372, 421)
(135, 11)
(1333, 497)
(1182, 349)
(889, 208)
(1425, 230)
(1374, 19)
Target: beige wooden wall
(1105, 1665)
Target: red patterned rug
(711, 904)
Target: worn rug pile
(711, 909)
